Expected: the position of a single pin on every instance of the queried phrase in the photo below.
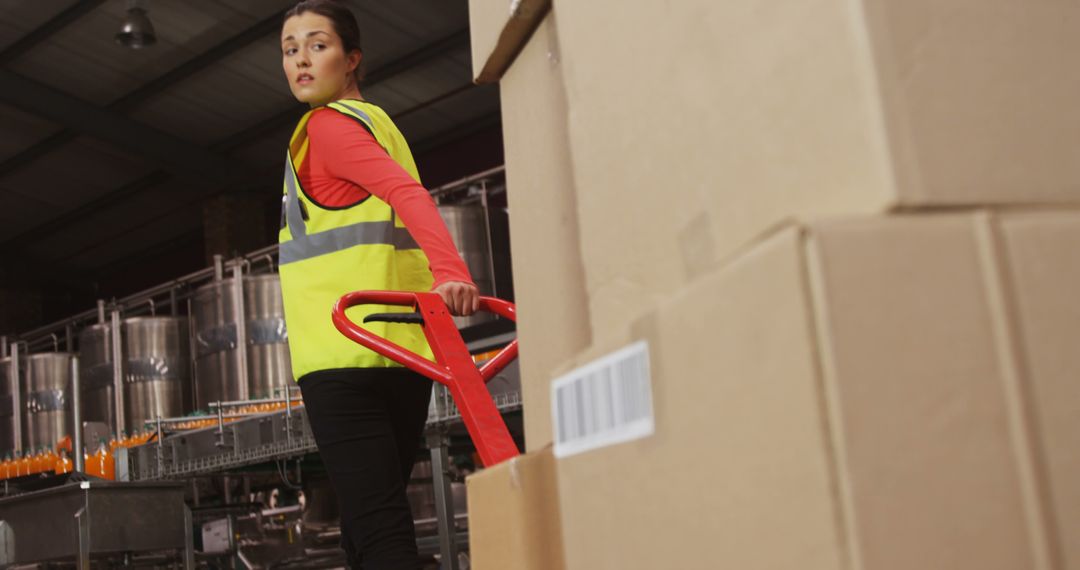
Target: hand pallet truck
(453, 366)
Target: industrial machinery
(469, 227)
(8, 418)
(223, 358)
(46, 386)
(200, 365)
(154, 365)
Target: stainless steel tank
(468, 226)
(157, 373)
(96, 374)
(46, 396)
(269, 368)
(7, 414)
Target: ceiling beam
(170, 152)
(46, 30)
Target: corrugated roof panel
(101, 225)
(84, 59)
(420, 19)
(21, 212)
(459, 111)
(20, 17)
(21, 131)
(76, 173)
(131, 242)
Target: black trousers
(367, 424)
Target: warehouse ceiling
(108, 154)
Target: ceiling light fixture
(136, 32)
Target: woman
(356, 217)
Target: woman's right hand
(462, 298)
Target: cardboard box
(514, 515)
(878, 392)
(697, 125)
(1044, 274)
(499, 29)
(553, 322)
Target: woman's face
(316, 65)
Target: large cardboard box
(1043, 269)
(514, 515)
(549, 282)
(499, 30)
(696, 125)
(876, 392)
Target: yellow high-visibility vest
(327, 252)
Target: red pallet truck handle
(453, 366)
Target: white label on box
(605, 402)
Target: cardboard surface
(695, 126)
(514, 515)
(737, 475)
(875, 392)
(930, 472)
(553, 321)
(499, 30)
(1044, 272)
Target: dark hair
(342, 18)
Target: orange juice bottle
(24, 464)
(31, 462)
(103, 461)
(108, 464)
(5, 467)
(89, 464)
(34, 459)
(52, 458)
(63, 463)
(42, 462)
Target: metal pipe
(101, 311)
(221, 427)
(76, 420)
(444, 501)
(118, 373)
(238, 403)
(239, 315)
(489, 240)
(461, 183)
(219, 267)
(172, 302)
(16, 395)
(55, 342)
(192, 354)
(69, 341)
(288, 415)
(183, 419)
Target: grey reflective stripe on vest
(295, 218)
(362, 114)
(306, 246)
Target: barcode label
(605, 402)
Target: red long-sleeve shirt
(345, 164)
